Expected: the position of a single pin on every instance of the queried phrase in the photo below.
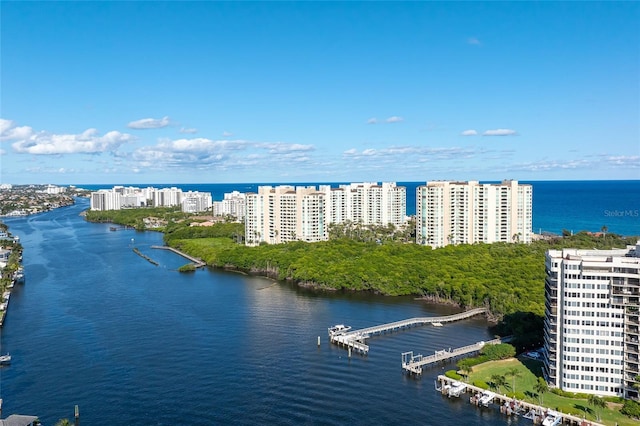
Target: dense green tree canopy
(508, 278)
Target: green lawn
(529, 371)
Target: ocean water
(557, 205)
(97, 326)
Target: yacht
(5, 359)
(338, 329)
(552, 419)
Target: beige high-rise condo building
(287, 213)
(592, 321)
(449, 212)
(284, 213)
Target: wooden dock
(198, 263)
(503, 401)
(414, 363)
(356, 339)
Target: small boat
(552, 419)
(457, 388)
(486, 398)
(5, 359)
(436, 324)
(338, 329)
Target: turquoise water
(97, 326)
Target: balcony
(551, 324)
(625, 291)
(631, 330)
(632, 368)
(631, 358)
(631, 349)
(632, 320)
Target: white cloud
(392, 119)
(469, 132)
(26, 140)
(5, 125)
(398, 154)
(219, 154)
(632, 161)
(188, 130)
(499, 132)
(280, 147)
(149, 123)
(226, 134)
(549, 165)
(474, 41)
(9, 131)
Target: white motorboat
(5, 359)
(338, 329)
(552, 419)
(486, 398)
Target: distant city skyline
(226, 92)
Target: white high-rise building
(233, 205)
(287, 213)
(105, 199)
(368, 203)
(166, 197)
(120, 197)
(284, 213)
(591, 330)
(195, 202)
(449, 212)
(53, 189)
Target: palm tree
(63, 422)
(498, 381)
(541, 387)
(465, 367)
(514, 372)
(597, 402)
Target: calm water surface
(133, 343)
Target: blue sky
(208, 92)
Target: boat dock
(198, 263)
(356, 339)
(508, 405)
(414, 363)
